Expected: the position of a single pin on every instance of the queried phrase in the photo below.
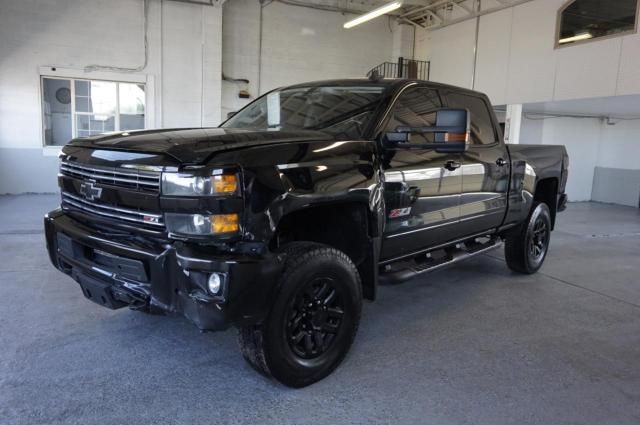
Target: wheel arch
(547, 191)
(352, 227)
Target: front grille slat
(110, 211)
(148, 181)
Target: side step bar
(453, 256)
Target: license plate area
(97, 291)
(120, 266)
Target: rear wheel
(314, 318)
(526, 250)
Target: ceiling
(429, 14)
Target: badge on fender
(399, 212)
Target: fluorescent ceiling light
(578, 37)
(373, 14)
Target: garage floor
(474, 344)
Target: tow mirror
(450, 134)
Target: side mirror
(231, 114)
(450, 134)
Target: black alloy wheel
(538, 239)
(314, 318)
(526, 248)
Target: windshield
(340, 110)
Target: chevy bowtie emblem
(89, 191)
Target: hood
(194, 145)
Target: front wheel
(313, 320)
(526, 250)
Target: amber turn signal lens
(225, 183)
(225, 223)
(456, 137)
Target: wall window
(81, 108)
(582, 20)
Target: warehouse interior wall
(279, 45)
(603, 155)
(517, 61)
(182, 73)
(514, 61)
(190, 47)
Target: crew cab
(283, 219)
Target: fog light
(215, 283)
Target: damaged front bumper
(162, 276)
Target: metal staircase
(403, 68)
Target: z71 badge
(400, 212)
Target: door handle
(452, 165)
(501, 162)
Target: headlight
(176, 184)
(202, 225)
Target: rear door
(485, 166)
(422, 187)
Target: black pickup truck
(283, 219)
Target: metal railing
(403, 68)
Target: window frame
(74, 74)
(556, 39)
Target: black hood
(194, 145)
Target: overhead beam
(477, 14)
(430, 7)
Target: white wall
(517, 61)
(298, 44)
(182, 75)
(620, 145)
(581, 138)
(591, 143)
(452, 54)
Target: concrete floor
(475, 344)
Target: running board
(455, 255)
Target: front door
(422, 187)
(485, 167)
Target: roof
(383, 82)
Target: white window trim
(591, 40)
(71, 73)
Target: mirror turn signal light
(456, 137)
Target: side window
(416, 107)
(482, 131)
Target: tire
(314, 318)
(526, 250)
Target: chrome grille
(106, 210)
(115, 176)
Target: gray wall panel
(616, 186)
(27, 171)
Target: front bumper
(161, 276)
